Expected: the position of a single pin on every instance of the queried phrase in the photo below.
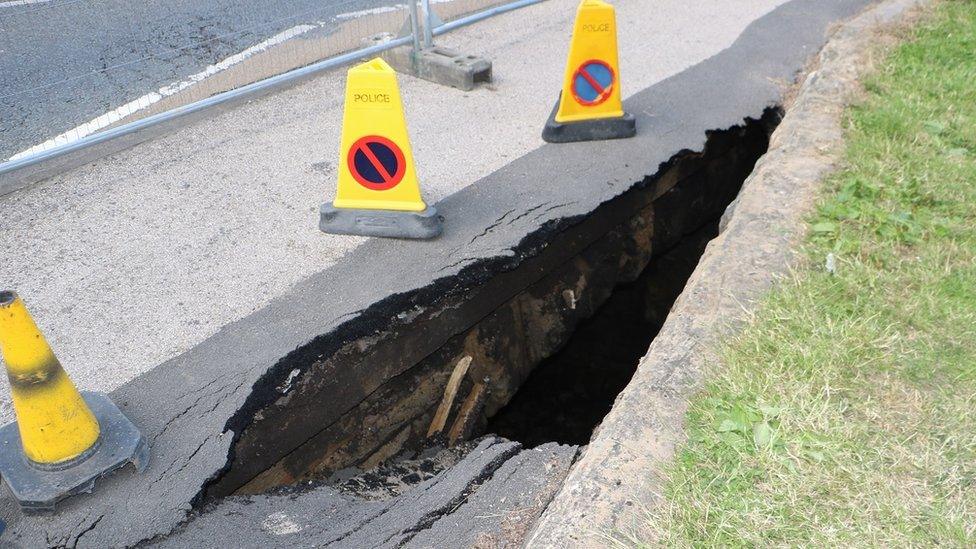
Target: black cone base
(386, 223)
(588, 130)
(37, 491)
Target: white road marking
(12, 3)
(145, 101)
(149, 99)
(373, 11)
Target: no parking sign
(593, 82)
(376, 162)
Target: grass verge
(845, 411)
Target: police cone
(377, 192)
(589, 107)
(63, 440)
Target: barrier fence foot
(437, 64)
(450, 68)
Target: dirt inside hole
(568, 394)
(551, 338)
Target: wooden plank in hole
(468, 414)
(450, 392)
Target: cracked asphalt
(188, 273)
(138, 257)
(65, 62)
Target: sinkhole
(568, 394)
(535, 351)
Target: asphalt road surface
(65, 62)
(178, 272)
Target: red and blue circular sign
(593, 83)
(376, 162)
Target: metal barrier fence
(92, 107)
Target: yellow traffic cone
(589, 107)
(378, 193)
(69, 439)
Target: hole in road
(538, 352)
(569, 393)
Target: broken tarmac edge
(489, 498)
(194, 407)
(612, 489)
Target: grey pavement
(189, 274)
(65, 62)
(138, 257)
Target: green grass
(844, 414)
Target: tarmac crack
(456, 263)
(222, 397)
(196, 402)
(86, 530)
(487, 472)
(525, 213)
(364, 524)
(219, 399)
(353, 314)
(190, 457)
(551, 208)
(494, 224)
